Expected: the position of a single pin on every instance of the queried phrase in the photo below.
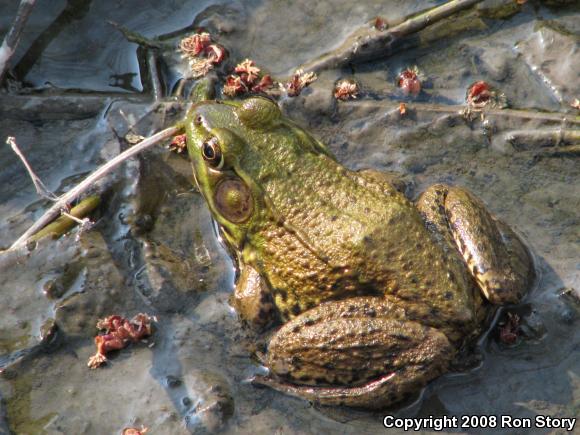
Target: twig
(368, 43)
(84, 185)
(156, 88)
(560, 151)
(530, 139)
(41, 188)
(135, 37)
(556, 117)
(13, 36)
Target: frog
(372, 294)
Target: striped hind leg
(495, 255)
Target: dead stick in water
(84, 185)
(369, 43)
(562, 118)
(11, 39)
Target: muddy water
(154, 248)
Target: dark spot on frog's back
(283, 294)
(448, 296)
(296, 309)
(309, 322)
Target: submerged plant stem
(64, 223)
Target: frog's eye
(212, 153)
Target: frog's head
(226, 144)
(240, 150)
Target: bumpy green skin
(376, 293)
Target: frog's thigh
(360, 352)
(252, 298)
(495, 256)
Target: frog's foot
(359, 352)
(496, 257)
(375, 394)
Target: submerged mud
(154, 248)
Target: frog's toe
(377, 394)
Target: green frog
(376, 294)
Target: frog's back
(333, 234)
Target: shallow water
(154, 247)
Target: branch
(84, 185)
(556, 117)
(369, 43)
(13, 36)
(41, 188)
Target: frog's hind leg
(360, 352)
(384, 181)
(496, 257)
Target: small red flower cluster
(299, 81)
(380, 24)
(202, 54)
(178, 144)
(346, 89)
(119, 332)
(247, 79)
(509, 331)
(409, 82)
(479, 94)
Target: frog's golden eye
(212, 153)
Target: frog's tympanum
(376, 294)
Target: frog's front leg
(360, 352)
(496, 257)
(252, 298)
